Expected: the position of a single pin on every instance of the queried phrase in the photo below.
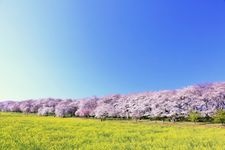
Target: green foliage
(206, 118)
(194, 116)
(219, 116)
(30, 132)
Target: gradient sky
(81, 48)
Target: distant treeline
(203, 102)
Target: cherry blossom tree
(66, 108)
(46, 111)
(86, 107)
(203, 98)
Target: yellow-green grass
(24, 132)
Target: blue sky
(77, 48)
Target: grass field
(24, 132)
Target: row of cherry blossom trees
(205, 99)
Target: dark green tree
(219, 116)
(194, 116)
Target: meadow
(32, 132)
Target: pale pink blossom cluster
(205, 99)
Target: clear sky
(81, 48)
